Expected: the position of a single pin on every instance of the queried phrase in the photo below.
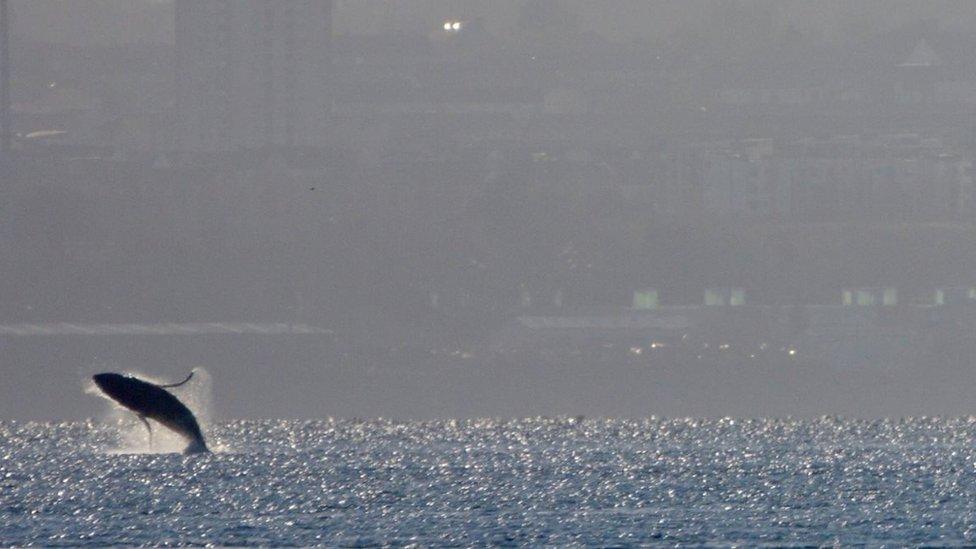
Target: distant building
(891, 178)
(252, 74)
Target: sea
(542, 481)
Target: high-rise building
(252, 74)
(5, 130)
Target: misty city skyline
(424, 195)
(134, 21)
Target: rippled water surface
(537, 481)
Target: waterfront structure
(252, 74)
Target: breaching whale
(151, 401)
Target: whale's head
(113, 385)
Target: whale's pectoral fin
(145, 422)
(178, 384)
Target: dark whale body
(153, 402)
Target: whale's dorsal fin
(177, 384)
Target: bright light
(452, 26)
(792, 352)
(636, 350)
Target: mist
(448, 209)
